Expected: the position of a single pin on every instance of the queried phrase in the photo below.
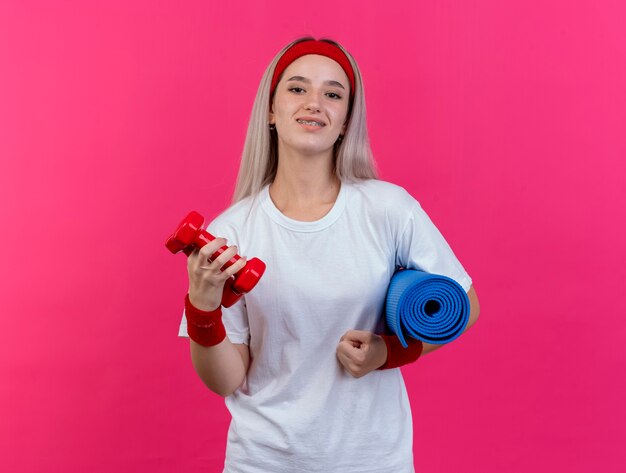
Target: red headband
(313, 46)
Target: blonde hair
(259, 161)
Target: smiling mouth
(311, 123)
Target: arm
(361, 352)
(221, 365)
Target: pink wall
(507, 121)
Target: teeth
(312, 123)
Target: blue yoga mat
(429, 307)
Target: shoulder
(384, 196)
(230, 222)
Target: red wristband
(204, 328)
(397, 355)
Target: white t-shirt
(299, 410)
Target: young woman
(308, 374)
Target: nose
(313, 102)
(312, 106)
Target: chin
(311, 148)
(315, 150)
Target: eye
(333, 96)
(296, 90)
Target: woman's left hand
(361, 352)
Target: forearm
(222, 367)
(430, 347)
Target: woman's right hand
(206, 280)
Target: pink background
(507, 120)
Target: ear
(271, 120)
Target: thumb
(357, 337)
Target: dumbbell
(190, 235)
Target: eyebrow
(308, 81)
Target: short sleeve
(235, 318)
(421, 246)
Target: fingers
(236, 267)
(201, 266)
(360, 352)
(358, 337)
(218, 263)
(351, 358)
(353, 351)
(207, 278)
(200, 256)
(209, 250)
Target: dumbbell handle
(202, 238)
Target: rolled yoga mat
(429, 307)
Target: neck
(304, 186)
